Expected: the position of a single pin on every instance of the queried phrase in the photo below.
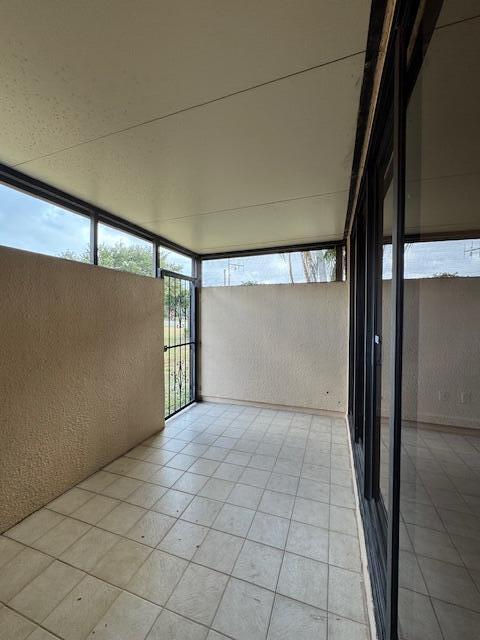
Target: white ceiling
(130, 106)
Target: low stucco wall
(81, 373)
(276, 344)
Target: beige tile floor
(234, 522)
(440, 533)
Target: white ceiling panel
(301, 221)
(129, 106)
(74, 70)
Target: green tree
(135, 258)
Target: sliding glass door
(414, 316)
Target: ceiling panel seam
(248, 206)
(191, 107)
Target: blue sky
(36, 225)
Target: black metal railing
(179, 341)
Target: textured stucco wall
(441, 351)
(277, 344)
(81, 373)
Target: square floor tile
(73, 618)
(89, 549)
(38, 598)
(316, 472)
(41, 634)
(217, 489)
(311, 512)
(225, 442)
(146, 495)
(95, 509)
(268, 449)
(342, 629)
(306, 540)
(142, 470)
(216, 453)
(342, 477)
(288, 467)
(14, 626)
(121, 562)
(314, 490)
(157, 577)
(190, 483)
(34, 526)
(202, 511)
(194, 449)
(98, 481)
(292, 619)
(304, 579)
(151, 528)
(173, 503)
(121, 488)
(255, 477)
(259, 564)
(342, 496)
(243, 495)
(270, 530)
(170, 625)
(20, 570)
(181, 461)
(198, 593)
(345, 594)
(344, 551)
(219, 551)
(166, 476)
(172, 445)
(204, 466)
(183, 539)
(64, 534)
(239, 458)
(244, 611)
(121, 466)
(68, 502)
(227, 471)
(129, 617)
(277, 504)
(121, 518)
(260, 461)
(9, 549)
(233, 519)
(283, 483)
(343, 520)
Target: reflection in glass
(385, 350)
(439, 594)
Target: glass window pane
(174, 261)
(440, 479)
(437, 259)
(33, 224)
(274, 268)
(124, 251)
